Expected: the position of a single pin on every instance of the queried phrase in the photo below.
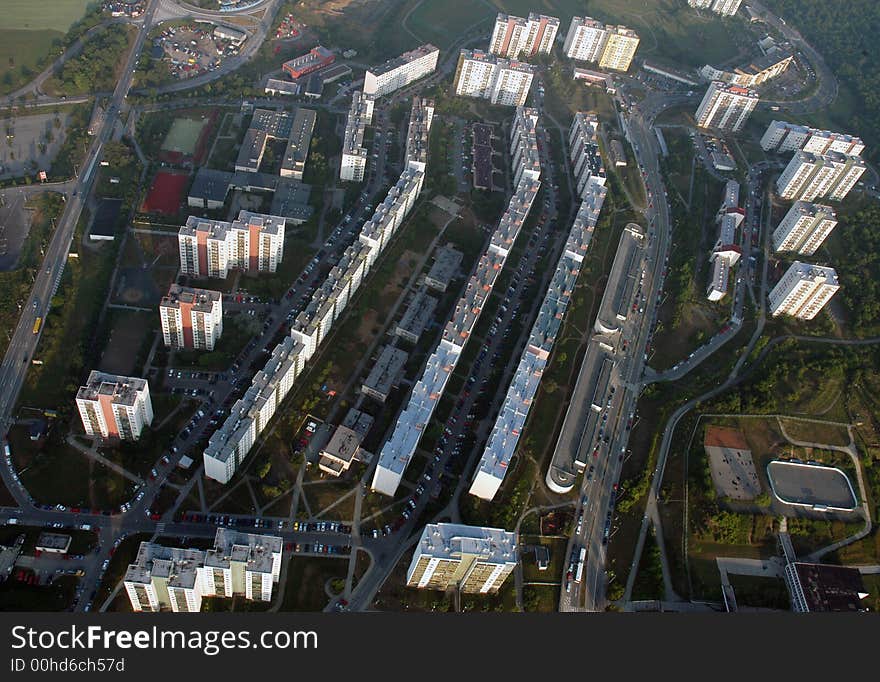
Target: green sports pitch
(183, 135)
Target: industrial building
(114, 407)
(385, 373)
(803, 291)
(401, 71)
(316, 58)
(253, 242)
(176, 579)
(612, 47)
(515, 37)
(499, 80)
(726, 107)
(191, 318)
(344, 446)
(472, 559)
(810, 176)
(507, 430)
(804, 228)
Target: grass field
(183, 135)
(57, 15)
(442, 22)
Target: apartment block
(353, 163)
(507, 430)
(809, 176)
(385, 373)
(248, 417)
(499, 80)
(191, 318)
(756, 72)
(420, 117)
(474, 559)
(782, 136)
(723, 7)
(253, 242)
(344, 446)
(525, 160)
(621, 44)
(400, 446)
(401, 71)
(113, 406)
(176, 579)
(803, 291)
(585, 39)
(804, 228)
(726, 107)
(586, 161)
(515, 37)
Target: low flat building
(344, 446)
(384, 374)
(296, 127)
(473, 559)
(822, 588)
(316, 58)
(444, 269)
(417, 316)
(53, 543)
(276, 86)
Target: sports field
(183, 136)
(166, 193)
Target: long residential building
(474, 559)
(612, 47)
(191, 318)
(803, 291)
(230, 444)
(723, 7)
(524, 145)
(420, 117)
(810, 176)
(756, 72)
(499, 80)
(583, 145)
(726, 107)
(506, 432)
(782, 136)
(726, 252)
(114, 407)
(253, 242)
(401, 71)
(177, 579)
(353, 163)
(804, 228)
(398, 450)
(515, 37)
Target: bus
(579, 573)
(37, 324)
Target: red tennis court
(166, 193)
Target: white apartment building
(804, 228)
(726, 107)
(401, 71)
(586, 161)
(475, 559)
(621, 44)
(526, 162)
(803, 291)
(809, 176)
(501, 81)
(177, 579)
(585, 39)
(723, 7)
(191, 318)
(253, 242)
(113, 406)
(782, 136)
(420, 117)
(353, 163)
(515, 37)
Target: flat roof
(53, 541)
(446, 262)
(830, 588)
(387, 369)
(405, 58)
(418, 314)
(455, 540)
(123, 390)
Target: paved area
(811, 485)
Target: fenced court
(187, 139)
(166, 193)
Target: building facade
(782, 137)
(191, 318)
(114, 407)
(353, 163)
(586, 160)
(803, 291)
(612, 47)
(501, 81)
(810, 176)
(804, 228)
(515, 37)
(620, 48)
(474, 559)
(726, 107)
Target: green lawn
(306, 576)
(57, 15)
(22, 54)
(442, 22)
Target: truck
(579, 572)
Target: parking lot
(193, 50)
